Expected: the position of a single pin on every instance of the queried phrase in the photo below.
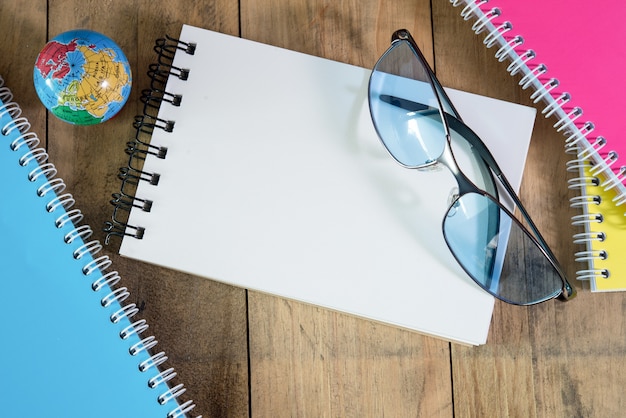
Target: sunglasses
(420, 128)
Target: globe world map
(82, 77)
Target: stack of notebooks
(571, 58)
(260, 167)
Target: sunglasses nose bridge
(453, 202)
(464, 184)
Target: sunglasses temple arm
(440, 93)
(486, 155)
(568, 289)
(442, 96)
(491, 162)
(483, 151)
(524, 212)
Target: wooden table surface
(242, 353)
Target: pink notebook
(572, 57)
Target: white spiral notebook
(264, 171)
(72, 345)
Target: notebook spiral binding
(589, 176)
(139, 148)
(588, 152)
(29, 141)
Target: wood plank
(351, 31)
(25, 33)
(308, 361)
(200, 324)
(556, 359)
(551, 360)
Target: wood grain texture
(24, 35)
(315, 362)
(249, 354)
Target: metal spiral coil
(41, 174)
(621, 177)
(140, 148)
(584, 256)
(588, 237)
(154, 98)
(583, 182)
(585, 219)
(592, 274)
(580, 201)
(500, 33)
(170, 45)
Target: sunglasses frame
(465, 185)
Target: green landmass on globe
(82, 77)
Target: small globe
(82, 77)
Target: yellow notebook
(604, 232)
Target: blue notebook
(71, 346)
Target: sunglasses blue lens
(498, 253)
(405, 109)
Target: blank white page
(276, 181)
